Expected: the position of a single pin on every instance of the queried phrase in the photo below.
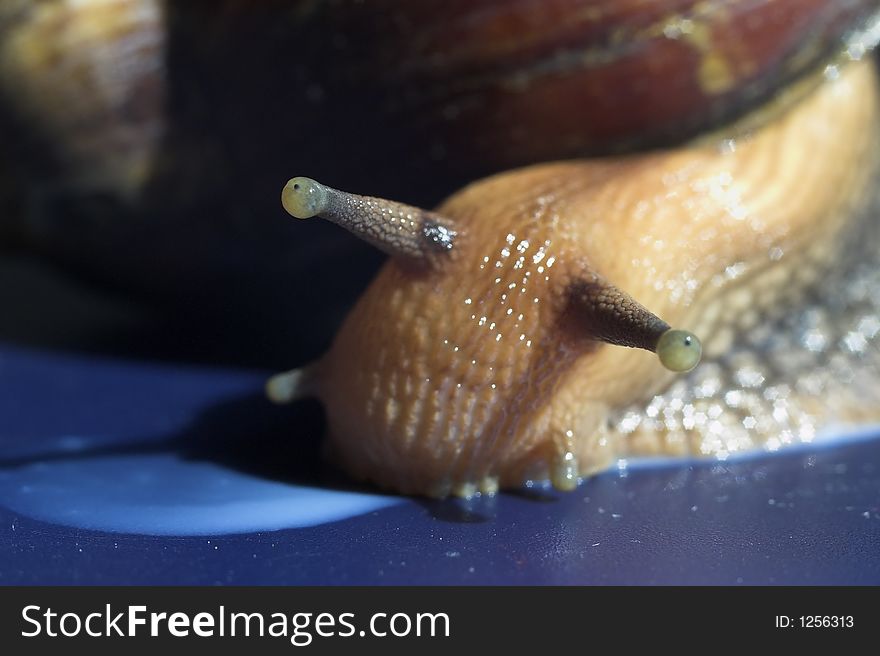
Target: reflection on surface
(802, 516)
(160, 494)
(132, 447)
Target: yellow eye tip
(679, 350)
(304, 198)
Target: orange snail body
(493, 357)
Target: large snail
(490, 350)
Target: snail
(487, 352)
(491, 350)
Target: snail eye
(304, 198)
(679, 350)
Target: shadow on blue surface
(233, 465)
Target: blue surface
(125, 472)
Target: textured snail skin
(478, 374)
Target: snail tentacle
(610, 315)
(396, 228)
(564, 465)
(293, 385)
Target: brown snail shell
(514, 83)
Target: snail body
(498, 360)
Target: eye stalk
(608, 314)
(398, 229)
